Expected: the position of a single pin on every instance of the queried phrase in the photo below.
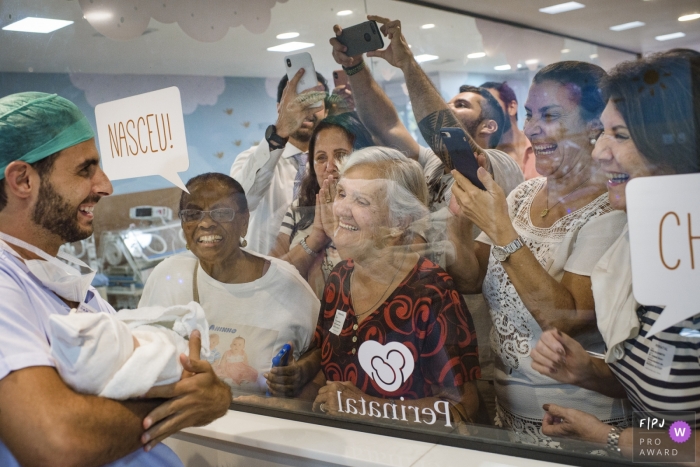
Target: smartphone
(303, 60)
(340, 78)
(361, 38)
(463, 158)
(281, 359)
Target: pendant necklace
(545, 211)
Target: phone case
(340, 78)
(461, 153)
(294, 63)
(361, 38)
(282, 357)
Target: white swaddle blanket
(94, 352)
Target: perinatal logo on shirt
(388, 365)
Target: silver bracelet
(306, 248)
(614, 439)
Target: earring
(244, 243)
(187, 246)
(593, 140)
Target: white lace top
(521, 391)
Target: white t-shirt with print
(252, 320)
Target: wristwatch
(502, 253)
(273, 139)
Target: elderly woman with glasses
(254, 303)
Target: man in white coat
(271, 173)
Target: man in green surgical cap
(50, 182)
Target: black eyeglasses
(217, 215)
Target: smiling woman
(397, 341)
(255, 304)
(534, 259)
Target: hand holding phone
(309, 79)
(463, 158)
(361, 38)
(281, 359)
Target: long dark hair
(585, 77)
(658, 96)
(353, 129)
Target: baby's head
(213, 341)
(238, 343)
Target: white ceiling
(167, 49)
(593, 22)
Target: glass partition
(435, 341)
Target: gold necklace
(546, 210)
(357, 315)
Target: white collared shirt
(268, 180)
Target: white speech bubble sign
(664, 227)
(143, 135)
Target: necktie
(301, 160)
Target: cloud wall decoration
(202, 20)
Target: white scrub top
(24, 322)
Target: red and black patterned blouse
(425, 314)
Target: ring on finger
(322, 407)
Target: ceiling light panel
(426, 58)
(502, 67)
(38, 25)
(690, 17)
(562, 7)
(668, 37)
(626, 26)
(290, 46)
(428, 26)
(476, 55)
(344, 13)
(288, 35)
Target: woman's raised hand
(561, 358)
(487, 209)
(324, 207)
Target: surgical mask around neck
(65, 281)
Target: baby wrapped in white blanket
(95, 352)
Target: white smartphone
(303, 60)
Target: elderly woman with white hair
(397, 341)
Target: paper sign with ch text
(664, 228)
(143, 135)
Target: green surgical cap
(35, 125)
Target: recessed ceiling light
(290, 46)
(502, 67)
(625, 26)
(95, 16)
(426, 58)
(690, 17)
(532, 61)
(562, 7)
(428, 26)
(565, 51)
(344, 13)
(40, 25)
(287, 35)
(476, 55)
(593, 56)
(668, 37)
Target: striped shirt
(649, 389)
